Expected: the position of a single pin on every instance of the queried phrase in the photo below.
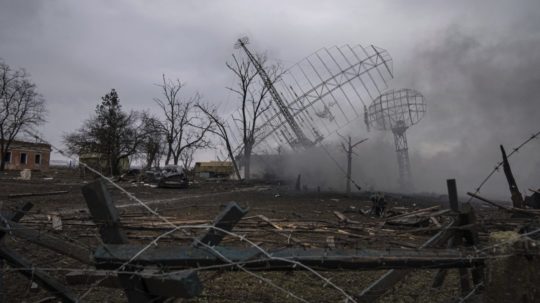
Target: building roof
(214, 163)
(25, 144)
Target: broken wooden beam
(50, 193)
(45, 240)
(183, 284)
(274, 225)
(99, 278)
(20, 212)
(26, 268)
(15, 217)
(517, 198)
(136, 286)
(452, 195)
(111, 256)
(163, 284)
(226, 220)
(528, 212)
(416, 212)
(393, 276)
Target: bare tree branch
(253, 100)
(221, 131)
(184, 129)
(20, 106)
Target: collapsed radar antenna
(397, 110)
(241, 42)
(301, 138)
(317, 96)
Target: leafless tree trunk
(221, 131)
(183, 126)
(21, 106)
(153, 143)
(186, 158)
(253, 100)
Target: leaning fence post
(143, 286)
(452, 194)
(105, 215)
(26, 268)
(226, 220)
(16, 217)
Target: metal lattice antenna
(397, 110)
(323, 93)
(301, 138)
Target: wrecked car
(170, 176)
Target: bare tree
(21, 106)
(186, 158)
(153, 143)
(253, 97)
(184, 126)
(221, 131)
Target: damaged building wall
(27, 155)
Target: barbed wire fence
(175, 228)
(499, 164)
(242, 238)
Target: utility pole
(348, 148)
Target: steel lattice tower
(397, 110)
(315, 97)
(302, 140)
(402, 151)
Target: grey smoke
(480, 94)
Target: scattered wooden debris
(50, 193)
(274, 225)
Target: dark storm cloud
(476, 62)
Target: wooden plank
(138, 287)
(99, 278)
(51, 193)
(441, 274)
(157, 283)
(105, 215)
(517, 198)
(44, 240)
(522, 211)
(15, 217)
(470, 235)
(20, 212)
(226, 220)
(103, 212)
(26, 268)
(185, 282)
(416, 212)
(108, 256)
(393, 276)
(452, 195)
(265, 219)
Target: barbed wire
(499, 164)
(175, 227)
(242, 238)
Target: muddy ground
(307, 219)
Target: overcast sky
(477, 62)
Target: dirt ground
(306, 219)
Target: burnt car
(171, 176)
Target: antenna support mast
(302, 140)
